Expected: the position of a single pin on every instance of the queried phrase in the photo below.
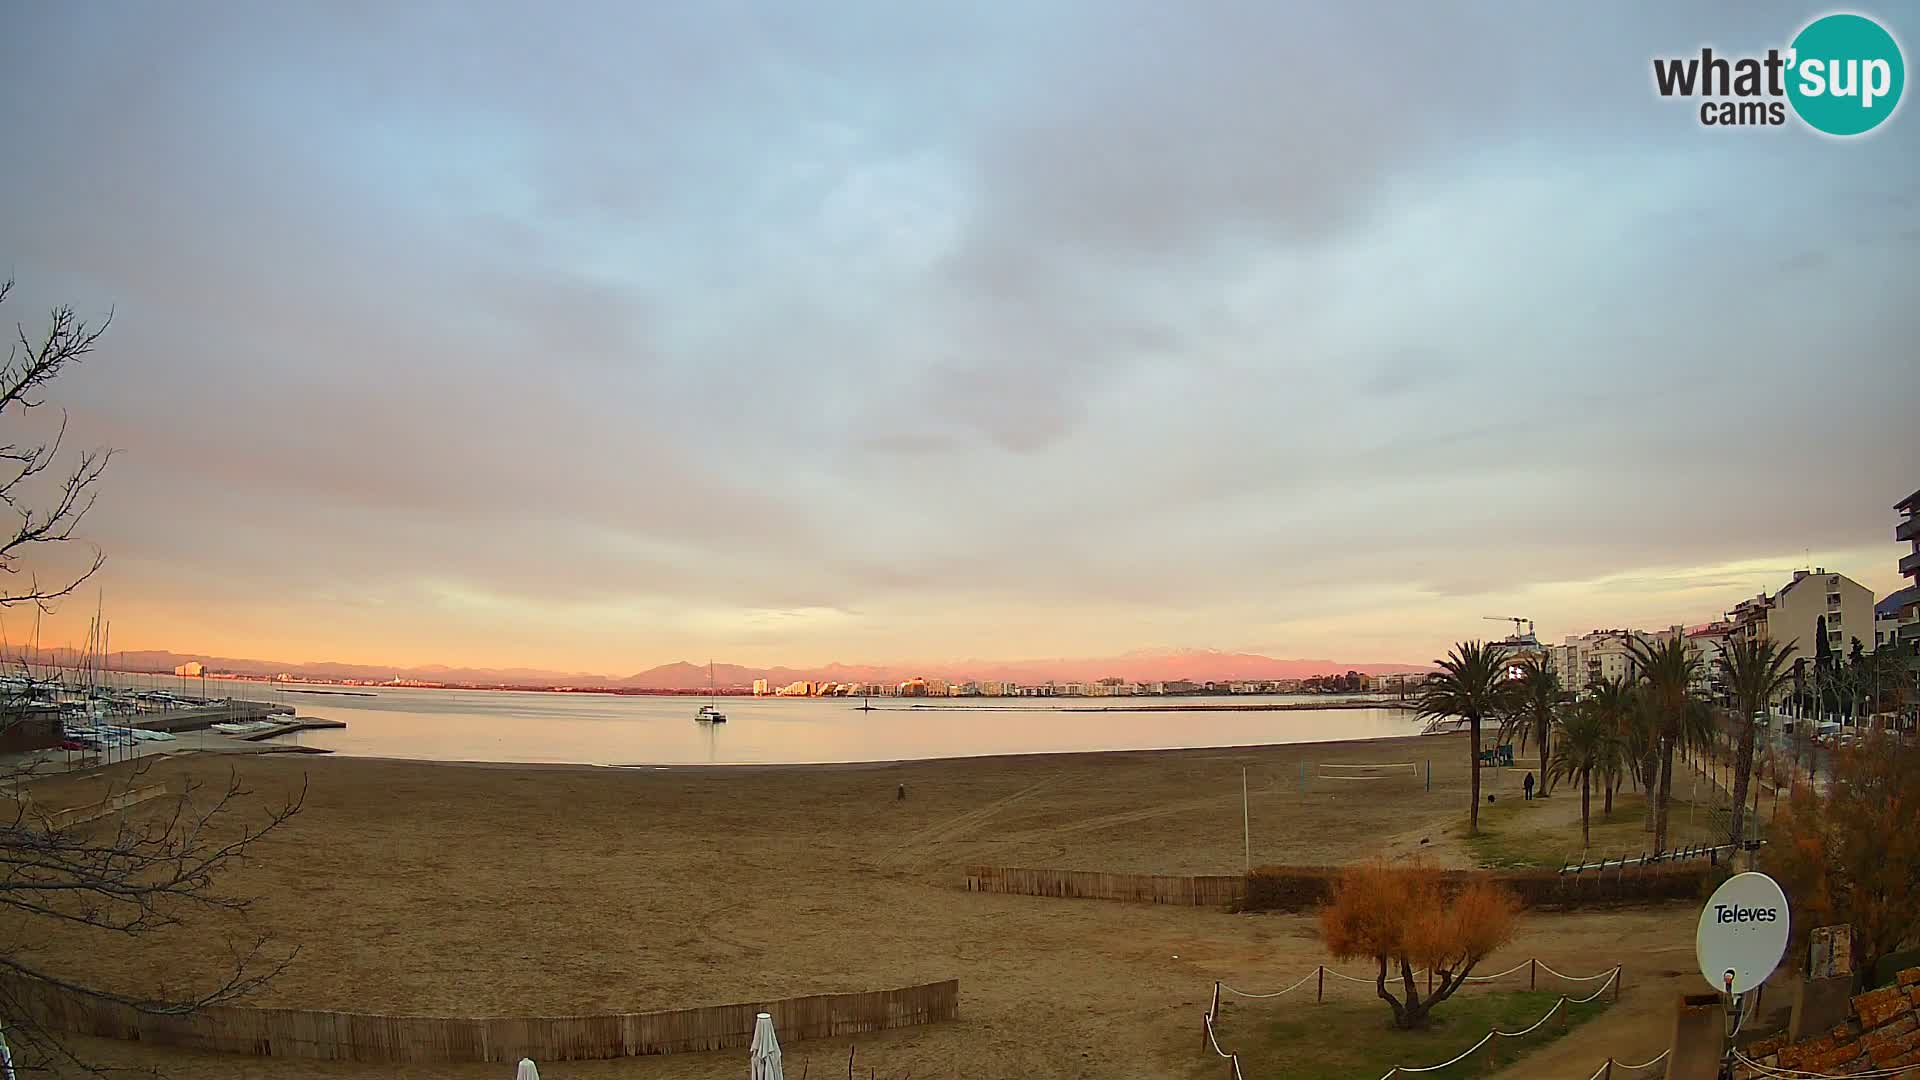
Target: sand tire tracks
(921, 846)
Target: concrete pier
(292, 724)
(195, 719)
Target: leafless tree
(32, 363)
(127, 865)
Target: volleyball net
(1379, 770)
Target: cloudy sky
(592, 337)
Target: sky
(596, 336)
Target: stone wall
(1882, 1031)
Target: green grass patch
(1517, 833)
(1356, 1040)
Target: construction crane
(1516, 620)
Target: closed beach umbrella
(765, 1054)
(527, 1070)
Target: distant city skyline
(461, 336)
(1146, 666)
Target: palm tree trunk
(1666, 795)
(1650, 779)
(1608, 787)
(1742, 774)
(1586, 817)
(1473, 815)
(1545, 734)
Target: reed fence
(1303, 888)
(337, 1036)
(1199, 890)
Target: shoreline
(1022, 757)
(371, 689)
(1252, 706)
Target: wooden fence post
(1607, 1073)
(1320, 991)
(1533, 974)
(1617, 969)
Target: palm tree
(1668, 669)
(1754, 672)
(1613, 699)
(1589, 744)
(1643, 737)
(1538, 698)
(1473, 683)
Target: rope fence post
(1533, 974)
(1607, 1073)
(1617, 969)
(1320, 991)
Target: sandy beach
(422, 888)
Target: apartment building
(1708, 643)
(1794, 615)
(1596, 656)
(1892, 613)
(1909, 531)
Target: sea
(603, 729)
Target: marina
(81, 717)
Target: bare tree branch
(137, 867)
(30, 365)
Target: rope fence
(1611, 981)
(1606, 1071)
(1233, 1060)
(1319, 976)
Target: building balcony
(1910, 566)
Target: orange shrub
(1404, 918)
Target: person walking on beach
(1527, 786)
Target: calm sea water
(482, 725)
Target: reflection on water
(481, 725)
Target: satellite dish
(1742, 934)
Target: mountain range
(1164, 665)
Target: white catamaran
(710, 712)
